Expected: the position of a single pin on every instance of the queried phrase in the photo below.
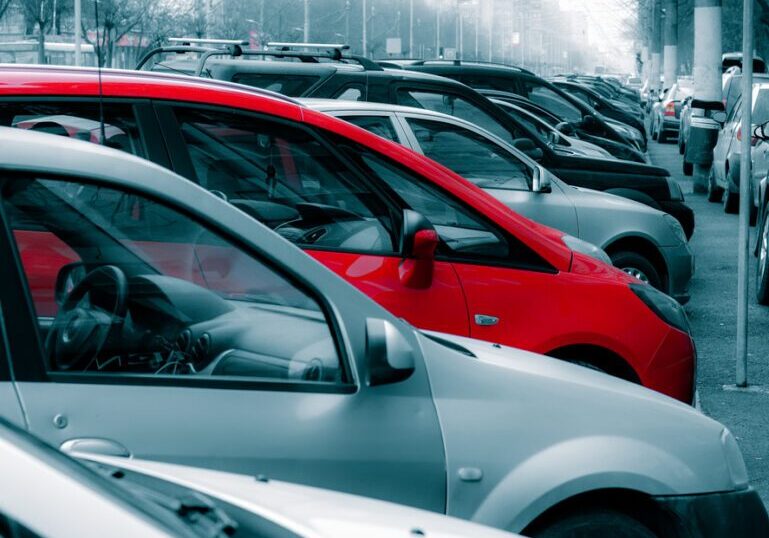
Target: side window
(286, 178)
(379, 125)
(291, 85)
(463, 235)
(77, 120)
(471, 155)
(552, 101)
(131, 303)
(454, 105)
(761, 108)
(351, 92)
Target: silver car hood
(539, 430)
(309, 512)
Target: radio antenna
(98, 71)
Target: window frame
(175, 139)
(28, 356)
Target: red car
(423, 242)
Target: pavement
(712, 312)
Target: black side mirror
(528, 147)
(389, 357)
(69, 276)
(566, 128)
(419, 240)
(589, 122)
(762, 131)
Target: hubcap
(636, 273)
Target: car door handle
(95, 445)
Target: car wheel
(595, 523)
(637, 266)
(654, 132)
(681, 146)
(662, 136)
(762, 268)
(731, 202)
(753, 213)
(715, 193)
(688, 168)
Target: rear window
(291, 85)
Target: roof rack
(311, 53)
(206, 41)
(452, 62)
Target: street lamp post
(78, 30)
(306, 21)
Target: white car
(47, 493)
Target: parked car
(340, 192)
(641, 241)
(49, 493)
(608, 109)
(734, 59)
(526, 84)
(617, 150)
(665, 115)
(559, 141)
(187, 332)
(724, 178)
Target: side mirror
(553, 138)
(566, 128)
(719, 116)
(528, 147)
(540, 181)
(760, 131)
(389, 357)
(418, 243)
(69, 276)
(589, 122)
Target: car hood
(307, 511)
(588, 149)
(539, 430)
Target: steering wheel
(93, 310)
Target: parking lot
(712, 312)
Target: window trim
(173, 135)
(30, 364)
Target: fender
(636, 196)
(582, 465)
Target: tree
(116, 18)
(39, 13)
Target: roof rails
(407, 62)
(304, 52)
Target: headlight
(734, 461)
(583, 247)
(675, 227)
(676, 194)
(663, 305)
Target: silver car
(190, 333)
(48, 493)
(640, 240)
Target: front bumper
(733, 514)
(680, 263)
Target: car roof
(335, 105)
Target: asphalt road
(713, 315)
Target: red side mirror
(419, 243)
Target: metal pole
(671, 43)
(365, 15)
(491, 29)
(438, 31)
(78, 30)
(477, 27)
(461, 33)
(346, 20)
(656, 45)
(306, 21)
(411, 28)
(745, 172)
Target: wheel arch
(601, 357)
(646, 248)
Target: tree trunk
(41, 45)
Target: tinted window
(351, 93)
(291, 85)
(137, 304)
(78, 120)
(379, 125)
(285, 177)
(453, 105)
(471, 155)
(761, 108)
(551, 101)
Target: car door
(492, 165)
(505, 282)
(220, 359)
(724, 143)
(286, 176)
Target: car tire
(662, 136)
(681, 146)
(753, 214)
(638, 266)
(600, 522)
(715, 193)
(654, 132)
(731, 202)
(688, 168)
(762, 267)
